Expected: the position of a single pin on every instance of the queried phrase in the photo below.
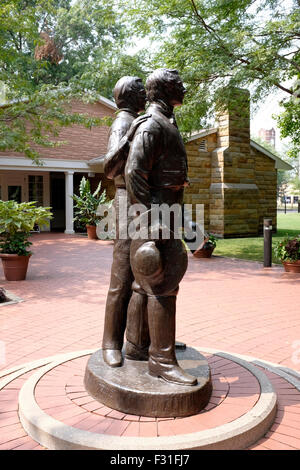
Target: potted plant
(86, 205)
(207, 247)
(288, 251)
(17, 220)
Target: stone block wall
(239, 184)
(238, 206)
(266, 180)
(216, 200)
(199, 173)
(240, 211)
(235, 182)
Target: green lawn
(252, 248)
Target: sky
(262, 117)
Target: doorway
(57, 201)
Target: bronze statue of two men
(145, 273)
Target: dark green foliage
(215, 45)
(17, 220)
(288, 249)
(15, 245)
(86, 204)
(220, 44)
(210, 242)
(289, 124)
(89, 37)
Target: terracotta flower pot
(14, 266)
(292, 266)
(91, 231)
(203, 252)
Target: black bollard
(267, 243)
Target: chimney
(233, 169)
(234, 121)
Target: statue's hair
(160, 83)
(125, 91)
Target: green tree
(52, 51)
(295, 183)
(220, 44)
(289, 122)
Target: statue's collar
(128, 110)
(164, 108)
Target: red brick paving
(115, 422)
(232, 305)
(284, 433)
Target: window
(202, 146)
(14, 193)
(35, 189)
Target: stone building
(232, 176)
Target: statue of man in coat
(156, 174)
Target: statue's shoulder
(147, 123)
(122, 122)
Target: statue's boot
(162, 359)
(116, 304)
(137, 331)
(112, 357)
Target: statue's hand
(114, 161)
(136, 123)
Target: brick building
(53, 183)
(268, 135)
(232, 176)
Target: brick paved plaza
(228, 305)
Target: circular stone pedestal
(131, 389)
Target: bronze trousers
(121, 278)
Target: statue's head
(129, 92)
(165, 85)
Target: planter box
(14, 266)
(92, 232)
(291, 266)
(203, 252)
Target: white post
(69, 202)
